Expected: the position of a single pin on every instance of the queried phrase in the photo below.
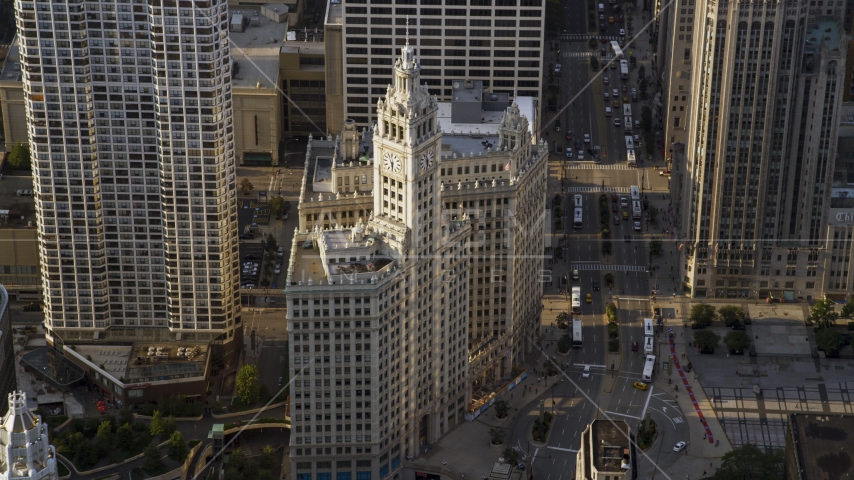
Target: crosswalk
(577, 54)
(598, 190)
(596, 166)
(583, 38)
(601, 267)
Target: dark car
(615, 207)
(739, 326)
(634, 346)
(596, 287)
(33, 307)
(252, 257)
(246, 236)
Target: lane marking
(563, 449)
(624, 415)
(643, 413)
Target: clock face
(391, 162)
(427, 160)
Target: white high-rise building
(766, 88)
(401, 229)
(130, 124)
(499, 42)
(25, 452)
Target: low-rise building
(605, 452)
(19, 263)
(819, 446)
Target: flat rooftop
(611, 445)
(334, 13)
(825, 31)
(823, 445)
(475, 143)
(12, 65)
(322, 178)
(257, 48)
(489, 120)
(146, 362)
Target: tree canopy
(19, 157)
(737, 340)
(823, 310)
(246, 186)
(748, 462)
(702, 314)
(731, 315)
(247, 385)
(829, 340)
(848, 308)
(706, 339)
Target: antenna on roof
(407, 30)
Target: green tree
(277, 206)
(562, 320)
(248, 388)
(168, 425)
(246, 186)
(124, 437)
(731, 315)
(737, 340)
(268, 458)
(848, 308)
(702, 314)
(87, 454)
(748, 462)
(502, 408)
(594, 63)
(19, 157)
(105, 432)
(829, 340)
(125, 416)
(823, 311)
(707, 339)
(653, 213)
(152, 458)
(510, 455)
(496, 435)
(178, 449)
(156, 426)
(646, 119)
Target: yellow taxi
(611, 19)
(588, 298)
(616, 101)
(613, 65)
(625, 215)
(641, 385)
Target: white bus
(627, 124)
(648, 366)
(576, 222)
(577, 200)
(635, 192)
(647, 344)
(576, 333)
(647, 327)
(630, 158)
(576, 300)
(627, 110)
(636, 209)
(630, 143)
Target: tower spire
(407, 30)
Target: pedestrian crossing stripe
(600, 267)
(581, 37)
(598, 189)
(580, 54)
(595, 166)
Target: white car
(568, 153)
(679, 447)
(615, 93)
(617, 122)
(637, 226)
(581, 154)
(557, 68)
(622, 32)
(586, 138)
(586, 372)
(607, 96)
(277, 271)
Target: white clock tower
(406, 144)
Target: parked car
(251, 257)
(246, 236)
